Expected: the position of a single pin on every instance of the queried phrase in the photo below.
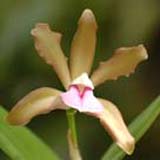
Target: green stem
(72, 125)
(72, 136)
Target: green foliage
(138, 128)
(19, 143)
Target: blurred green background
(121, 23)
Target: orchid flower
(77, 80)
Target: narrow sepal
(122, 63)
(39, 101)
(113, 122)
(47, 43)
(83, 44)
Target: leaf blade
(19, 143)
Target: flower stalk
(72, 125)
(72, 135)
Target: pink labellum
(82, 100)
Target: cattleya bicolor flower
(78, 82)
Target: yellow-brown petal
(39, 101)
(113, 122)
(122, 63)
(83, 45)
(47, 43)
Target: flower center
(83, 81)
(81, 90)
(80, 95)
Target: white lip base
(84, 80)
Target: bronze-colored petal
(39, 101)
(47, 43)
(122, 63)
(113, 122)
(83, 45)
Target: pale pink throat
(81, 99)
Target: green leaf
(19, 143)
(138, 128)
